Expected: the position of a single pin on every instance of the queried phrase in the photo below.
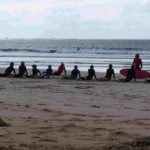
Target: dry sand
(56, 114)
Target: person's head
(22, 63)
(91, 67)
(110, 66)
(75, 67)
(34, 66)
(137, 55)
(12, 64)
(49, 66)
(62, 64)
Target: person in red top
(137, 62)
(60, 70)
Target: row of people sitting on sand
(36, 73)
(75, 73)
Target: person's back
(35, 71)
(110, 72)
(9, 70)
(48, 72)
(60, 70)
(91, 73)
(75, 72)
(22, 70)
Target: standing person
(9, 70)
(48, 72)
(137, 62)
(110, 72)
(60, 70)
(91, 73)
(22, 70)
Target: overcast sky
(98, 19)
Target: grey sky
(75, 19)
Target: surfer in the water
(60, 70)
(137, 62)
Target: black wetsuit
(109, 73)
(130, 75)
(8, 71)
(22, 71)
(91, 73)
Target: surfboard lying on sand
(140, 74)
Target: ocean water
(99, 53)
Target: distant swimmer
(9, 70)
(137, 62)
(78, 48)
(60, 70)
(52, 51)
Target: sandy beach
(56, 114)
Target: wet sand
(61, 114)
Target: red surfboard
(140, 74)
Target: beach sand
(56, 114)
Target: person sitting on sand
(91, 73)
(130, 75)
(109, 73)
(35, 72)
(48, 72)
(74, 74)
(60, 70)
(9, 70)
(22, 70)
(137, 62)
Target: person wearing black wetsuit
(130, 75)
(22, 70)
(91, 73)
(109, 73)
(9, 70)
